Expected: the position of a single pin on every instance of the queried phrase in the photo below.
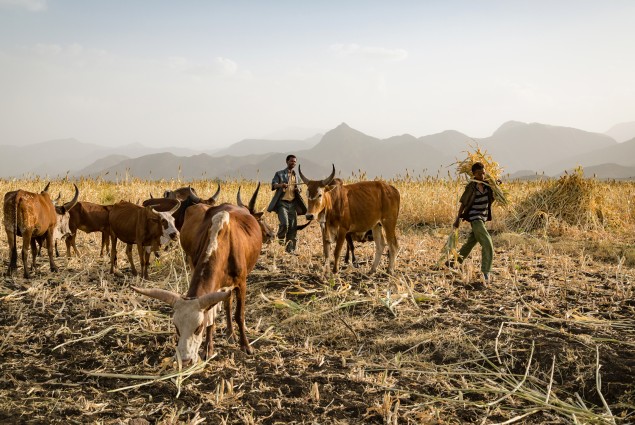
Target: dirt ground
(550, 340)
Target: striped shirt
(478, 211)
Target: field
(550, 340)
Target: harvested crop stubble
(570, 201)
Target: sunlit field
(550, 340)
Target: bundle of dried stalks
(492, 169)
(571, 201)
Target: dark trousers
(288, 218)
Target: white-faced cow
(224, 250)
(143, 226)
(88, 217)
(354, 208)
(34, 216)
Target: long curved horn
(176, 207)
(72, 202)
(215, 196)
(252, 201)
(327, 181)
(160, 294)
(193, 196)
(46, 188)
(305, 179)
(209, 300)
(239, 201)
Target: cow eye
(199, 329)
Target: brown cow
(88, 217)
(226, 249)
(354, 208)
(187, 196)
(143, 226)
(34, 216)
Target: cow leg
(34, 252)
(70, 243)
(26, 243)
(104, 243)
(146, 262)
(339, 243)
(13, 261)
(129, 255)
(113, 255)
(227, 305)
(209, 340)
(393, 245)
(326, 248)
(350, 250)
(50, 245)
(240, 317)
(380, 243)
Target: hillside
(622, 132)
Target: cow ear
(258, 215)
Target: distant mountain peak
(509, 125)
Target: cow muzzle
(309, 216)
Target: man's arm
(458, 218)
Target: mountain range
(522, 149)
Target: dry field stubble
(550, 340)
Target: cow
(88, 217)
(187, 196)
(143, 226)
(227, 244)
(354, 208)
(268, 234)
(34, 217)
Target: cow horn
(46, 188)
(238, 200)
(160, 294)
(72, 202)
(304, 179)
(176, 207)
(56, 200)
(215, 196)
(327, 181)
(252, 201)
(193, 196)
(152, 197)
(209, 300)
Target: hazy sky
(209, 73)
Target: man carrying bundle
(476, 208)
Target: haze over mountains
(522, 149)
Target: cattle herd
(221, 243)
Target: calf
(34, 217)
(143, 226)
(88, 217)
(225, 250)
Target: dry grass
(551, 340)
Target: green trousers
(479, 234)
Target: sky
(206, 74)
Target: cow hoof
(248, 349)
(117, 273)
(54, 269)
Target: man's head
(478, 170)
(291, 161)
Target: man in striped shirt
(476, 208)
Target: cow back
(226, 251)
(360, 206)
(89, 217)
